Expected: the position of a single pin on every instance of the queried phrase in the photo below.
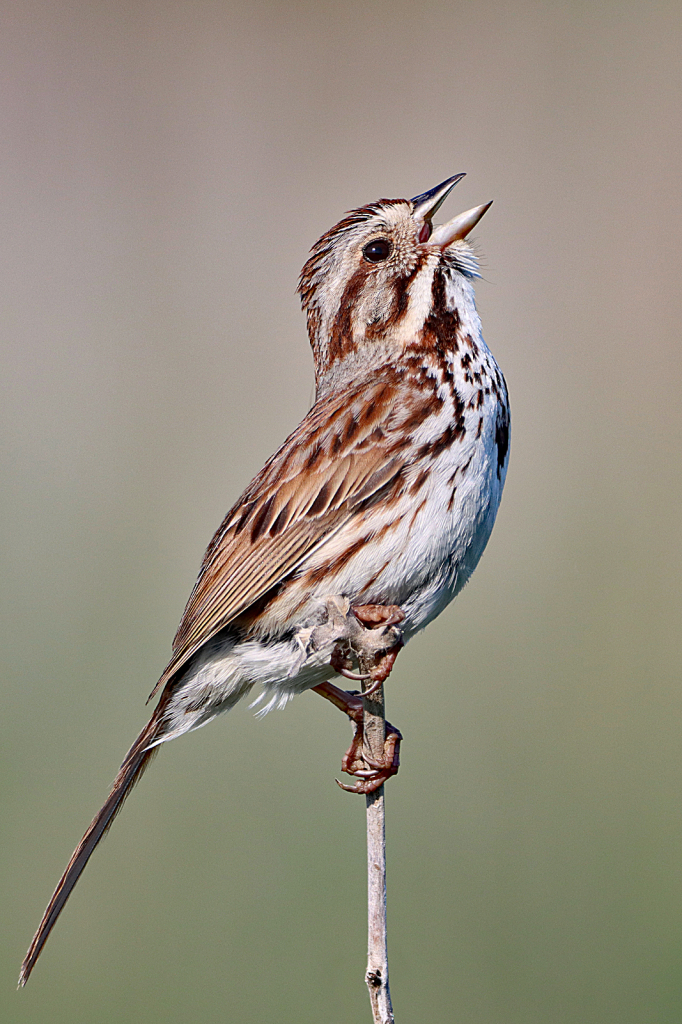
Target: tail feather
(136, 760)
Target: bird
(371, 516)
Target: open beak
(427, 204)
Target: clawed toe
(371, 772)
(368, 781)
(356, 677)
(372, 615)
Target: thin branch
(376, 976)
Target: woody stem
(376, 975)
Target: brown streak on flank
(479, 428)
(370, 582)
(451, 500)
(390, 524)
(420, 506)
(319, 574)
(399, 444)
(420, 480)
(445, 441)
(419, 414)
(311, 577)
(454, 431)
(479, 398)
(341, 560)
(463, 469)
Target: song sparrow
(372, 515)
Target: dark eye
(378, 250)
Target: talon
(349, 789)
(376, 685)
(355, 676)
(372, 762)
(364, 787)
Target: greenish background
(164, 168)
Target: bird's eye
(378, 250)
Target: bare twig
(377, 952)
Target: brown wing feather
(348, 447)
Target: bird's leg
(369, 633)
(371, 773)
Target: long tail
(136, 760)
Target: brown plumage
(373, 512)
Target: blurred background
(165, 167)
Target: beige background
(164, 168)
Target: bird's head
(373, 281)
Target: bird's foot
(370, 772)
